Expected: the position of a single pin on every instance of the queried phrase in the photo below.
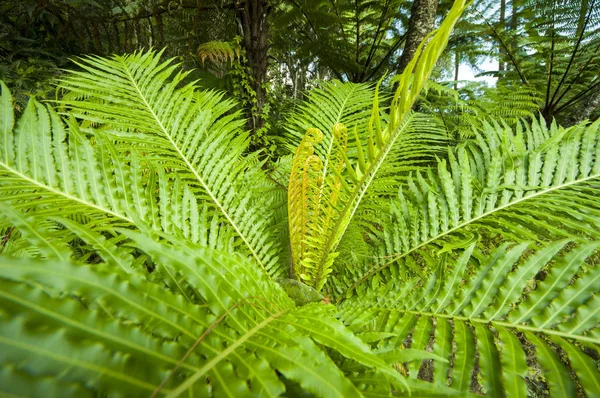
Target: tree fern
(203, 322)
(143, 245)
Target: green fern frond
(462, 117)
(513, 306)
(532, 184)
(39, 169)
(145, 106)
(241, 325)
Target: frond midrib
(192, 169)
(395, 257)
(223, 354)
(485, 321)
(65, 194)
(361, 189)
(338, 119)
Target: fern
(144, 245)
(218, 52)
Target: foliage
(553, 49)
(357, 41)
(463, 112)
(146, 249)
(218, 52)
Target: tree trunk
(514, 23)
(456, 68)
(252, 15)
(501, 51)
(514, 18)
(422, 20)
(584, 110)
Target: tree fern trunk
(584, 110)
(501, 51)
(456, 68)
(252, 15)
(422, 20)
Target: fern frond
(51, 173)
(145, 106)
(381, 140)
(532, 184)
(40, 170)
(218, 52)
(122, 332)
(515, 308)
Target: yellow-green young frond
(531, 184)
(218, 52)
(150, 110)
(372, 155)
(498, 323)
(313, 204)
(234, 333)
(304, 192)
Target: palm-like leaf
(496, 311)
(534, 184)
(138, 101)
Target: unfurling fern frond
(142, 243)
(312, 204)
(493, 325)
(366, 167)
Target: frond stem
(64, 194)
(191, 168)
(394, 258)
